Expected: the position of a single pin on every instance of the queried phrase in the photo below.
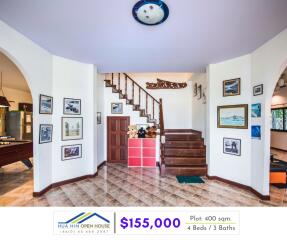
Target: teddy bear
(133, 131)
(151, 132)
(141, 133)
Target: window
(279, 119)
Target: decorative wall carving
(162, 84)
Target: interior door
(118, 139)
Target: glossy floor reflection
(117, 185)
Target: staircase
(135, 95)
(183, 153)
(182, 150)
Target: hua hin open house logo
(83, 223)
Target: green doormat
(189, 179)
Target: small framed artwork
(45, 133)
(258, 90)
(232, 146)
(231, 87)
(116, 108)
(256, 132)
(199, 92)
(99, 118)
(195, 90)
(232, 116)
(71, 152)
(256, 110)
(72, 106)
(45, 104)
(204, 96)
(72, 128)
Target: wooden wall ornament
(162, 84)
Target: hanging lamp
(3, 100)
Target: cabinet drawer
(134, 152)
(134, 162)
(148, 152)
(134, 142)
(149, 162)
(149, 142)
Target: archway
(16, 131)
(278, 140)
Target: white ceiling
(103, 32)
(12, 77)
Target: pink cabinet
(142, 152)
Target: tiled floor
(117, 185)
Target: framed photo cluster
(45, 130)
(72, 128)
(199, 92)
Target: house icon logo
(84, 223)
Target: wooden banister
(142, 89)
(162, 138)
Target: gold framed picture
(231, 87)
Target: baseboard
(102, 164)
(61, 183)
(242, 186)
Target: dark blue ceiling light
(150, 12)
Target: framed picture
(195, 90)
(99, 118)
(204, 96)
(199, 92)
(256, 110)
(71, 152)
(72, 106)
(45, 133)
(116, 108)
(256, 132)
(45, 104)
(232, 146)
(258, 90)
(72, 128)
(231, 87)
(232, 116)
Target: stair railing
(141, 91)
(162, 138)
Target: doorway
(117, 128)
(16, 135)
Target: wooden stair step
(185, 144)
(184, 152)
(182, 137)
(185, 161)
(186, 171)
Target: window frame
(284, 119)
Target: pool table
(11, 152)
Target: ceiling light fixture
(150, 12)
(3, 100)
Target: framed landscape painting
(231, 87)
(232, 116)
(72, 128)
(71, 152)
(72, 106)
(232, 146)
(45, 104)
(116, 108)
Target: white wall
(263, 66)
(57, 77)
(73, 79)
(176, 102)
(268, 63)
(234, 168)
(35, 64)
(17, 96)
(198, 107)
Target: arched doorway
(16, 135)
(278, 140)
